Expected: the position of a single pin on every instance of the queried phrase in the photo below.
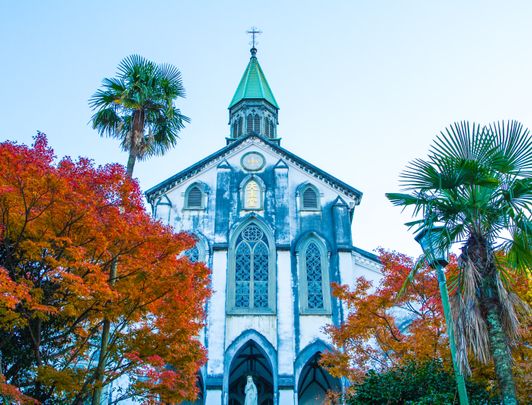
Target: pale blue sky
(363, 86)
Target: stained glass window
(193, 254)
(314, 276)
(251, 269)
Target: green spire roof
(253, 84)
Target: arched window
(310, 198)
(313, 269)
(314, 277)
(272, 129)
(252, 195)
(234, 129)
(199, 252)
(194, 198)
(251, 272)
(240, 123)
(267, 127)
(256, 124)
(249, 124)
(193, 254)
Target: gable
(274, 154)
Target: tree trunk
(137, 135)
(100, 369)
(131, 163)
(481, 254)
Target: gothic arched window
(314, 277)
(195, 197)
(240, 123)
(251, 272)
(272, 129)
(267, 127)
(193, 254)
(256, 124)
(252, 195)
(310, 198)
(249, 124)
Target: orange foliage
(61, 227)
(383, 329)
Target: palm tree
(137, 107)
(476, 183)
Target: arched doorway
(250, 360)
(315, 382)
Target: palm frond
(108, 123)
(512, 153)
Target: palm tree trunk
(131, 163)
(479, 251)
(500, 351)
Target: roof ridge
(309, 167)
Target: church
(276, 232)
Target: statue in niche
(251, 392)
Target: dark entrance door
(250, 360)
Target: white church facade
(276, 232)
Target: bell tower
(253, 109)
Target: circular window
(252, 161)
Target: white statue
(251, 392)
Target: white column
(286, 397)
(216, 315)
(347, 273)
(285, 315)
(214, 397)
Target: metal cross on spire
(253, 31)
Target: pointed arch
(308, 197)
(200, 252)
(196, 196)
(252, 269)
(313, 262)
(256, 124)
(265, 348)
(163, 209)
(311, 379)
(249, 124)
(252, 190)
(240, 122)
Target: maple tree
(62, 227)
(385, 330)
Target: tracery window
(314, 277)
(193, 254)
(251, 280)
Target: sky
(363, 86)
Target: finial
(253, 31)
